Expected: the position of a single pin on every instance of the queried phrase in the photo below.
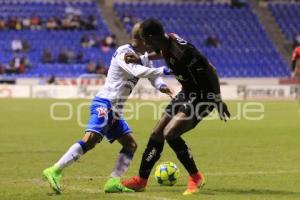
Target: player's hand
(165, 89)
(223, 111)
(132, 58)
(168, 71)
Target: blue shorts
(103, 121)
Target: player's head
(152, 32)
(135, 32)
(136, 40)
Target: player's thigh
(118, 129)
(158, 131)
(100, 119)
(91, 139)
(202, 110)
(178, 125)
(128, 142)
(187, 118)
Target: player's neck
(166, 43)
(137, 49)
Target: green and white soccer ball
(167, 173)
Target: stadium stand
(287, 16)
(55, 40)
(240, 47)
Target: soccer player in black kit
(200, 94)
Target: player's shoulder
(297, 50)
(126, 48)
(296, 53)
(179, 46)
(175, 38)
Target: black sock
(183, 154)
(150, 156)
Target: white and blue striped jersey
(122, 77)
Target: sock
(196, 176)
(150, 156)
(184, 154)
(73, 154)
(123, 161)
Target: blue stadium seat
(245, 51)
(287, 16)
(55, 40)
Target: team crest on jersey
(102, 111)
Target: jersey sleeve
(145, 60)
(137, 70)
(157, 82)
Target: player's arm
(220, 104)
(159, 84)
(296, 70)
(296, 62)
(215, 82)
(155, 56)
(134, 58)
(141, 71)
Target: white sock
(73, 154)
(121, 166)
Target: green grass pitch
(242, 159)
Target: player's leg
(156, 141)
(150, 156)
(154, 147)
(178, 126)
(53, 174)
(125, 157)
(100, 119)
(173, 131)
(181, 123)
(87, 143)
(122, 164)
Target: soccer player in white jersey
(105, 115)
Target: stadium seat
(245, 49)
(287, 16)
(55, 40)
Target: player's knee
(158, 136)
(132, 146)
(91, 140)
(90, 145)
(170, 134)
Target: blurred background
(54, 56)
(250, 42)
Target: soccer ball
(167, 173)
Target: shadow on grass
(159, 188)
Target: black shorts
(195, 106)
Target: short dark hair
(152, 27)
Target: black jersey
(190, 67)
